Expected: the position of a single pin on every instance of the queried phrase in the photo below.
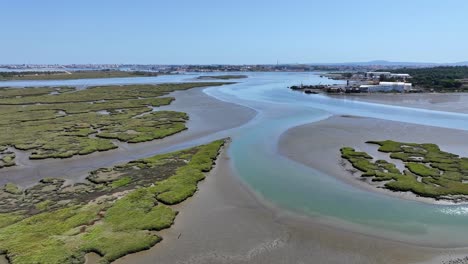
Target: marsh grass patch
(430, 172)
(53, 223)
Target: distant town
(368, 66)
(377, 76)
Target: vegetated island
(71, 75)
(430, 172)
(439, 79)
(118, 211)
(61, 122)
(221, 77)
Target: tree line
(437, 78)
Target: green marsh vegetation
(63, 122)
(7, 157)
(117, 212)
(48, 75)
(429, 171)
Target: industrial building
(386, 87)
(376, 75)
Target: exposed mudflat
(225, 223)
(451, 102)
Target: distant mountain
(394, 63)
(461, 63)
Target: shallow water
(304, 190)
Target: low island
(429, 171)
(221, 77)
(71, 75)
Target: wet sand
(451, 102)
(207, 116)
(225, 223)
(317, 145)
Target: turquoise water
(307, 191)
(304, 190)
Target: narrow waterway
(304, 190)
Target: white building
(387, 87)
(374, 75)
(400, 75)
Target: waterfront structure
(387, 87)
(400, 75)
(377, 75)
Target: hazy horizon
(377, 61)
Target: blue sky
(237, 32)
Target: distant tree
(437, 78)
(347, 75)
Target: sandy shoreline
(224, 222)
(207, 116)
